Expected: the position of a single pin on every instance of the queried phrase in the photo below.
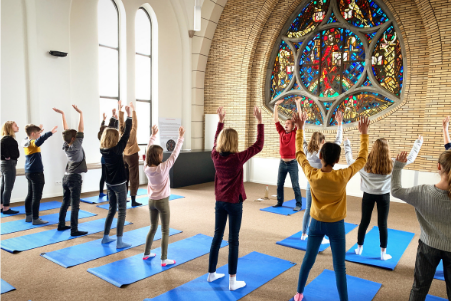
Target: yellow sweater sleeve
(300, 156)
(361, 160)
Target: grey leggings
(159, 208)
(117, 195)
(8, 168)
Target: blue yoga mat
(398, 241)
(21, 225)
(44, 206)
(6, 287)
(286, 209)
(324, 288)
(140, 192)
(294, 241)
(94, 199)
(40, 239)
(434, 298)
(143, 200)
(255, 269)
(132, 269)
(439, 272)
(72, 256)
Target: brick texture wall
(246, 34)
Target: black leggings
(383, 206)
(102, 178)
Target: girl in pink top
(157, 173)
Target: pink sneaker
(298, 297)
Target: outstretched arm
(153, 136)
(65, 127)
(339, 119)
(408, 195)
(81, 125)
(221, 114)
(360, 162)
(276, 110)
(446, 139)
(258, 145)
(348, 152)
(171, 160)
(300, 119)
(415, 150)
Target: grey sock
(39, 221)
(120, 244)
(29, 218)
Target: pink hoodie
(158, 187)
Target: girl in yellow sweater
(328, 188)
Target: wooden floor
(36, 278)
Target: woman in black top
(112, 148)
(9, 155)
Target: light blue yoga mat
(434, 298)
(286, 209)
(6, 287)
(143, 200)
(398, 241)
(21, 225)
(78, 254)
(43, 207)
(132, 269)
(40, 239)
(140, 192)
(94, 199)
(255, 269)
(295, 241)
(324, 288)
(439, 272)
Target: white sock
(234, 284)
(214, 276)
(325, 241)
(359, 250)
(304, 236)
(151, 255)
(385, 256)
(167, 262)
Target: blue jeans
(292, 168)
(234, 212)
(308, 200)
(117, 196)
(336, 233)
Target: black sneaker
(10, 211)
(277, 205)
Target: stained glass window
(338, 55)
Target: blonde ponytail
(315, 142)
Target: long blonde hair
(227, 141)
(379, 161)
(445, 162)
(110, 138)
(315, 141)
(7, 129)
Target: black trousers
(426, 264)
(383, 206)
(8, 168)
(102, 178)
(71, 197)
(235, 213)
(36, 182)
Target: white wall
(265, 170)
(30, 75)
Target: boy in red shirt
(288, 163)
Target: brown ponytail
(445, 162)
(315, 141)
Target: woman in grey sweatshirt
(433, 209)
(375, 184)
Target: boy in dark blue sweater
(34, 171)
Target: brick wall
(246, 34)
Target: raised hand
(258, 114)
(56, 110)
(132, 107)
(41, 127)
(300, 119)
(446, 123)
(127, 109)
(77, 109)
(181, 131)
(54, 129)
(154, 130)
(119, 105)
(221, 113)
(339, 117)
(364, 123)
(420, 138)
(279, 101)
(402, 157)
(104, 116)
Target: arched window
(108, 28)
(143, 74)
(337, 55)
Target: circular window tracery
(337, 55)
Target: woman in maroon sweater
(229, 192)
